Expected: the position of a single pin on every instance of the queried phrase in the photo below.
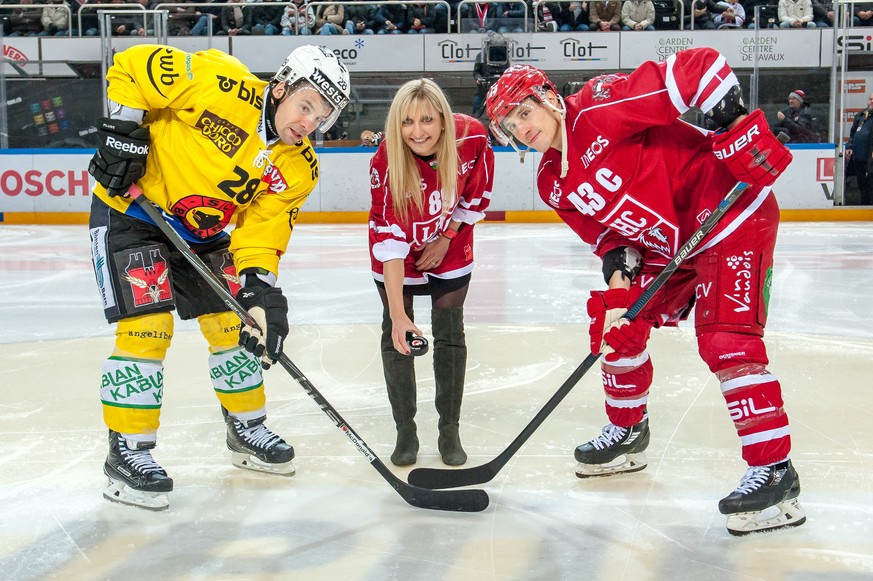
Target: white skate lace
(609, 436)
(263, 157)
(258, 436)
(754, 478)
(141, 461)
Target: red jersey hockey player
(635, 182)
(431, 182)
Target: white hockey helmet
(323, 70)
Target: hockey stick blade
(448, 500)
(439, 478)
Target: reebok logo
(126, 146)
(738, 144)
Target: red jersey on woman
(391, 239)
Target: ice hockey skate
(254, 447)
(134, 476)
(765, 500)
(616, 450)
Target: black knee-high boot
(399, 372)
(449, 368)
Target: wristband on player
(449, 233)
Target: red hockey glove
(605, 308)
(751, 151)
(626, 339)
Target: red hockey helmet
(516, 84)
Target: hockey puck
(417, 345)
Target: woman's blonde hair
(410, 101)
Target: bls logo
(745, 408)
(853, 42)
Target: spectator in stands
(180, 20)
(822, 14)
(420, 19)
(452, 13)
(863, 14)
(236, 21)
(605, 16)
(267, 17)
(575, 17)
(732, 15)
(795, 14)
(370, 139)
(329, 19)
(299, 18)
(796, 119)
(547, 16)
(481, 17)
(25, 21)
(768, 13)
(130, 24)
(637, 15)
(859, 151)
(90, 24)
(391, 18)
(361, 19)
(55, 19)
(698, 15)
(207, 14)
(510, 17)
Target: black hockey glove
(121, 154)
(269, 308)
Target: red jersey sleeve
(476, 168)
(621, 105)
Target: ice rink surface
(337, 518)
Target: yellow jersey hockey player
(209, 143)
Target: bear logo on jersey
(202, 215)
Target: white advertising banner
(54, 182)
(775, 48)
(457, 52)
(374, 53)
(561, 51)
(58, 181)
(22, 50)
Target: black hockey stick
(451, 500)
(437, 478)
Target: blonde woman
(431, 182)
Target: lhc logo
(824, 169)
